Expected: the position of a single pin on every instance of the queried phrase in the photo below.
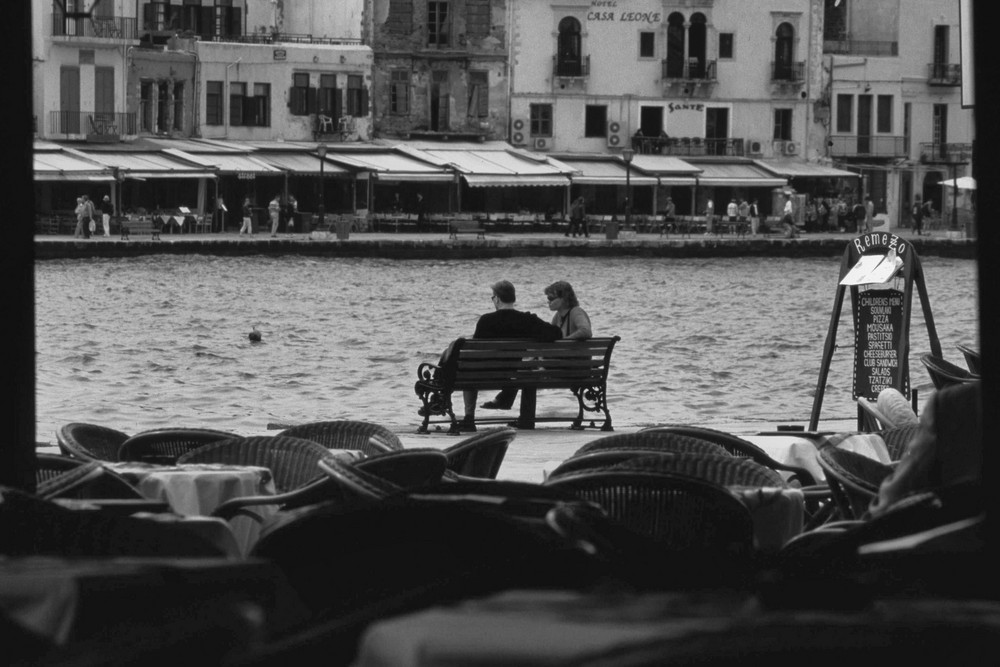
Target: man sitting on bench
(504, 322)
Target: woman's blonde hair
(564, 290)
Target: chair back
(90, 442)
(407, 468)
(944, 373)
(292, 461)
(721, 470)
(738, 446)
(973, 358)
(165, 445)
(652, 441)
(898, 438)
(59, 476)
(481, 454)
(678, 512)
(854, 479)
(366, 437)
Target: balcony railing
(95, 27)
(687, 146)
(860, 47)
(693, 69)
(788, 72)
(280, 37)
(571, 68)
(947, 153)
(101, 125)
(944, 74)
(867, 146)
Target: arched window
(783, 49)
(569, 61)
(675, 46)
(698, 36)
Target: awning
(150, 165)
(235, 164)
(513, 180)
(739, 174)
(391, 166)
(606, 172)
(60, 166)
(800, 169)
(301, 163)
(669, 170)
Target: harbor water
(163, 340)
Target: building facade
(441, 68)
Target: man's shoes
(493, 405)
(467, 425)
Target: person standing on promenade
(743, 217)
(247, 227)
(918, 216)
(81, 219)
(274, 210)
(421, 214)
(504, 322)
(709, 217)
(89, 224)
(754, 217)
(788, 218)
(669, 215)
(869, 214)
(107, 210)
(858, 213)
(573, 323)
(578, 217)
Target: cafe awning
(498, 167)
(738, 174)
(230, 163)
(64, 166)
(606, 172)
(513, 180)
(668, 169)
(392, 166)
(151, 165)
(302, 164)
(802, 169)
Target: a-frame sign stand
(872, 265)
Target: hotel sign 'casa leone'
(880, 270)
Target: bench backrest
(494, 363)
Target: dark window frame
(214, 107)
(595, 121)
(540, 120)
(727, 45)
(399, 92)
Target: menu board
(879, 348)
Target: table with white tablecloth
(196, 489)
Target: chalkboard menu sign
(879, 348)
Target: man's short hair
(504, 290)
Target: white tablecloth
(197, 489)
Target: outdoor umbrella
(964, 183)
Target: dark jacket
(508, 323)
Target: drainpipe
(225, 97)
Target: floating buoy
(255, 335)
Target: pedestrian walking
(918, 216)
(247, 227)
(578, 218)
(274, 210)
(107, 210)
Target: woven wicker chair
(407, 468)
(90, 442)
(292, 461)
(721, 470)
(481, 454)
(897, 439)
(944, 373)
(737, 446)
(66, 477)
(973, 358)
(653, 441)
(362, 436)
(166, 445)
(678, 512)
(853, 478)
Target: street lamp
(321, 152)
(627, 155)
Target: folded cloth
(896, 408)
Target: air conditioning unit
(778, 147)
(519, 132)
(541, 143)
(616, 135)
(791, 148)
(755, 147)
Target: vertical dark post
(321, 151)
(627, 155)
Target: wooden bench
(456, 227)
(527, 365)
(142, 224)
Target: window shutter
(235, 26)
(206, 20)
(312, 100)
(364, 102)
(338, 103)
